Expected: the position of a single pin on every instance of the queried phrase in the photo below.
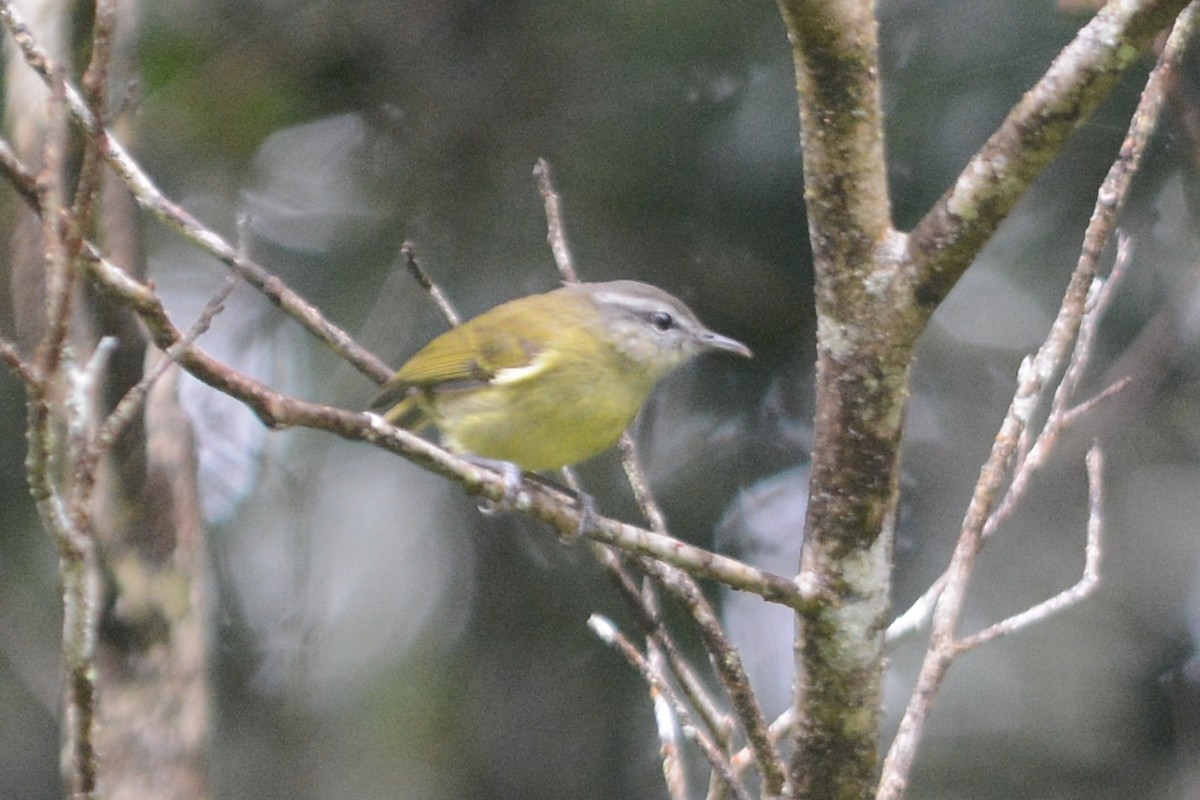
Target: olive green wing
(509, 336)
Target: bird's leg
(510, 476)
(587, 513)
(587, 504)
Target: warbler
(551, 379)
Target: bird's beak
(715, 341)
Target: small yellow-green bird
(551, 379)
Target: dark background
(377, 637)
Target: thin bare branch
(556, 233)
(1099, 295)
(779, 728)
(918, 614)
(1093, 551)
(723, 655)
(1085, 407)
(674, 768)
(133, 400)
(82, 388)
(1086, 298)
(1087, 333)
(631, 462)
(19, 176)
(60, 278)
(1125, 248)
(95, 88)
(644, 604)
(24, 369)
(983, 515)
(608, 633)
(408, 256)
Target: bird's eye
(662, 320)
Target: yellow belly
(548, 421)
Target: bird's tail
(403, 407)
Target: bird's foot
(511, 479)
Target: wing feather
(506, 343)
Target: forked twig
(1069, 334)
(1093, 552)
(1032, 452)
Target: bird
(548, 380)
